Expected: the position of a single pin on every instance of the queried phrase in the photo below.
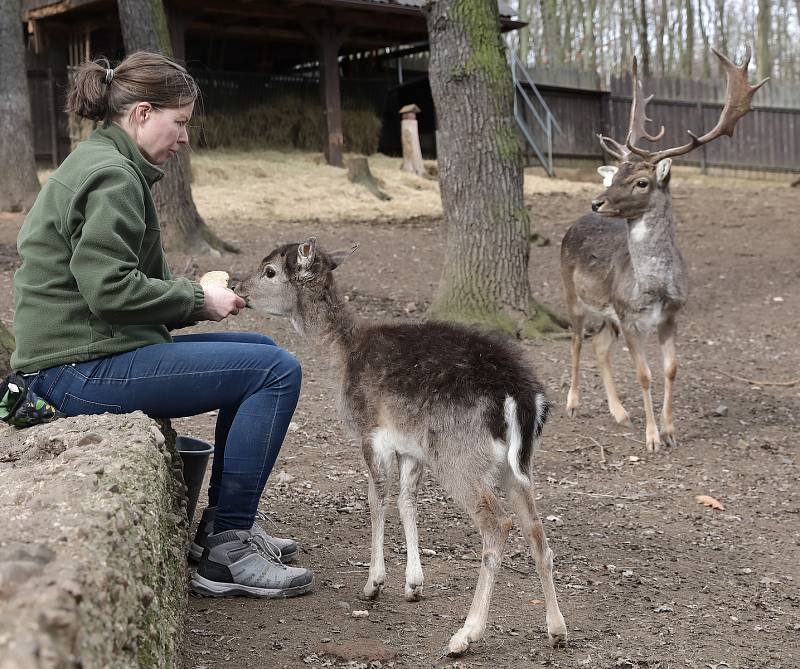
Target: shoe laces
(263, 516)
(266, 550)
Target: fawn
(457, 401)
(622, 262)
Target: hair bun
(88, 94)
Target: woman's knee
(287, 369)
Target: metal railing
(539, 112)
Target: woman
(95, 303)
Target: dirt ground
(646, 577)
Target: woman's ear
(141, 112)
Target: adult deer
(622, 262)
(425, 395)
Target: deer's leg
(494, 526)
(410, 476)
(379, 466)
(525, 508)
(633, 339)
(666, 337)
(604, 342)
(574, 395)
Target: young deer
(436, 395)
(623, 263)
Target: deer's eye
(269, 272)
(642, 183)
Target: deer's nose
(596, 204)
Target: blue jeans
(251, 380)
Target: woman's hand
(220, 302)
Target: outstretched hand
(220, 302)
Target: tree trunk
(19, 184)
(485, 278)
(722, 27)
(644, 42)
(687, 58)
(660, 49)
(144, 28)
(590, 37)
(763, 60)
(706, 41)
(524, 13)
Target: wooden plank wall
(766, 139)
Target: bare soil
(646, 576)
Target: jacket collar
(127, 147)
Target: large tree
(485, 278)
(18, 183)
(144, 28)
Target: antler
(738, 97)
(638, 118)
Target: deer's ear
(607, 172)
(662, 171)
(305, 252)
(338, 257)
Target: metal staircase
(539, 122)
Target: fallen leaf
(707, 500)
(535, 601)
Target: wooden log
(358, 172)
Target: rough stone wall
(92, 545)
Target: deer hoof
(557, 634)
(621, 416)
(373, 589)
(413, 592)
(669, 440)
(654, 445)
(458, 643)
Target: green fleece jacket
(93, 279)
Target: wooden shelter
(268, 36)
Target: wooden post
(409, 135)
(329, 62)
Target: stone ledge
(92, 545)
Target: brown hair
(99, 93)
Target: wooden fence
(767, 139)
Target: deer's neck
(653, 247)
(331, 318)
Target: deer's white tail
(518, 457)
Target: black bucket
(194, 453)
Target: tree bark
(18, 184)
(722, 27)
(763, 60)
(144, 28)
(485, 278)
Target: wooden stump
(358, 172)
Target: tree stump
(358, 172)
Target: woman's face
(159, 132)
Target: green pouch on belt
(21, 407)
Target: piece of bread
(217, 277)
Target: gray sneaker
(286, 548)
(238, 562)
